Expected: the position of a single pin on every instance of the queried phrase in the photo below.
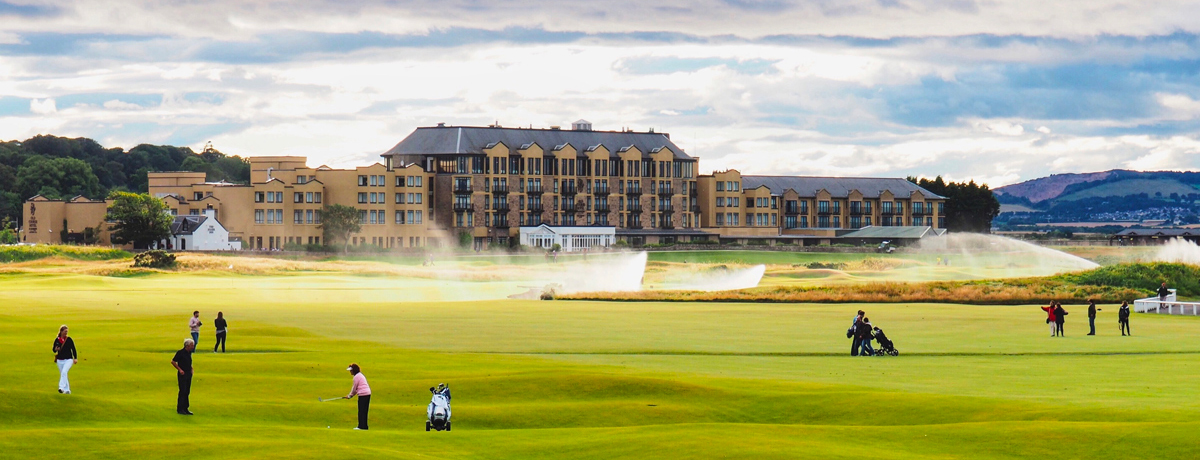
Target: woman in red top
(1050, 319)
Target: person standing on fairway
(1123, 318)
(1050, 319)
(1060, 318)
(183, 364)
(856, 341)
(65, 356)
(363, 391)
(222, 327)
(1092, 315)
(194, 324)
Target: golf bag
(886, 347)
(438, 411)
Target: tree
(465, 240)
(68, 176)
(138, 218)
(339, 222)
(7, 234)
(970, 207)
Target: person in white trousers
(65, 356)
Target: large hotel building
(492, 183)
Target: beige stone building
(489, 181)
(442, 182)
(811, 210)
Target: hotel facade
(488, 183)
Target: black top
(1163, 291)
(66, 350)
(1091, 310)
(1124, 313)
(183, 358)
(1060, 315)
(221, 324)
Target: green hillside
(1130, 187)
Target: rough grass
(1109, 284)
(28, 253)
(577, 379)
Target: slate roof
(894, 232)
(839, 187)
(185, 225)
(449, 140)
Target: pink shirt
(360, 387)
(194, 324)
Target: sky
(997, 91)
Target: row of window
(409, 217)
(381, 198)
(567, 167)
(381, 181)
(277, 197)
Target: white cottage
(570, 239)
(201, 233)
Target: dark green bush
(154, 259)
(1141, 276)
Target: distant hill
(1046, 188)
(1109, 196)
(1060, 188)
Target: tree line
(970, 207)
(62, 168)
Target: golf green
(536, 379)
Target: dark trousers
(854, 346)
(220, 342)
(364, 405)
(1125, 327)
(185, 390)
(1060, 327)
(1092, 324)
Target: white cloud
(120, 105)
(42, 106)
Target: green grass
(577, 379)
(27, 253)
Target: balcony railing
(569, 190)
(600, 190)
(856, 211)
(635, 208)
(693, 192)
(462, 188)
(791, 210)
(537, 208)
(502, 223)
(666, 191)
(635, 226)
(502, 188)
(501, 207)
(670, 208)
(633, 191)
(603, 208)
(535, 190)
(464, 207)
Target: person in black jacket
(1163, 292)
(856, 343)
(65, 356)
(1123, 318)
(865, 332)
(1092, 315)
(221, 326)
(183, 365)
(1060, 318)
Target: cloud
(42, 106)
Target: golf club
(330, 399)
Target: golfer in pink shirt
(363, 391)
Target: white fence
(1169, 306)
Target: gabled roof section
(185, 225)
(837, 186)
(449, 140)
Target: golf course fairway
(559, 379)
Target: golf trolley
(439, 410)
